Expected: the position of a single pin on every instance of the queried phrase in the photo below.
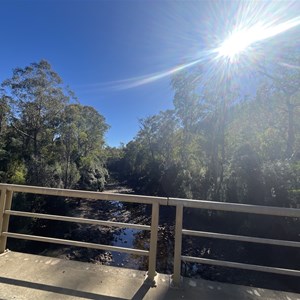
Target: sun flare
(241, 39)
(238, 42)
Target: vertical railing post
(153, 243)
(2, 206)
(5, 204)
(178, 245)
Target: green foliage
(45, 140)
(81, 148)
(214, 145)
(17, 172)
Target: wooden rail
(7, 191)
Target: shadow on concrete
(58, 290)
(141, 292)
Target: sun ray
(240, 39)
(252, 24)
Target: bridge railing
(229, 207)
(7, 191)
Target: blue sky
(89, 43)
(93, 45)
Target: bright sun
(241, 39)
(236, 43)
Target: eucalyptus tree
(37, 99)
(4, 108)
(284, 79)
(81, 140)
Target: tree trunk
(291, 131)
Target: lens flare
(134, 82)
(239, 40)
(250, 27)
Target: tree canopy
(218, 145)
(47, 139)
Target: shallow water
(124, 238)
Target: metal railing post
(5, 204)
(2, 205)
(178, 245)
(153, 243)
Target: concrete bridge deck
(27, 276)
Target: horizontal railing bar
(84, 194)
(77, 220)
(241, 238)
(73, 243)
(204, 204)
(236, 265)
(236, 207)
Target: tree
(285, 80)
(37, 101)
(81, 140)
(4, 108)
(59, 143)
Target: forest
(216, 144)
